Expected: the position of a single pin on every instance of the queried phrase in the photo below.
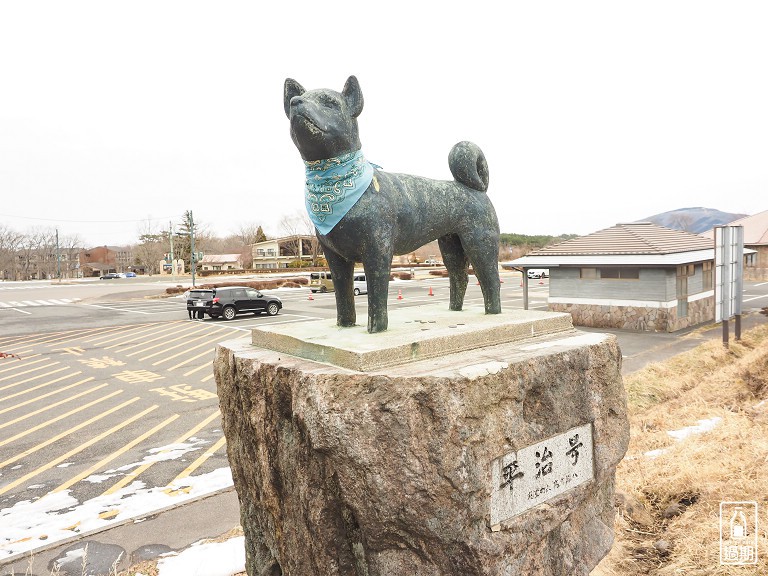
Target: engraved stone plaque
(537, 473)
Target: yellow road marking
(74, 451)
(131, 336)
(183, 345)
(201, 459)
(78, 335)
(43, 385)
(165, 342)
(44, 338)
(4, 410)
(198, 369)
(27, 372)
(101, 463)
(109, 514)
(57, 418)
(53, 439)
(207, 352)
(51, 406)
(24, 365)
(170, 329)
(97, 340)
(141, 469)
(185, 350)
(207, 378)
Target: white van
(361, 286)
(538, 273)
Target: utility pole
(173, 260)
(58, 257)
(192, 245)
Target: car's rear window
(200, 294)
(314, 276)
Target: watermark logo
(738, 533)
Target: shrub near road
(669, 486)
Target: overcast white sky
(589, 113)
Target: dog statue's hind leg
(483, 251)
(377, 267)
(455, 261)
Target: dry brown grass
(694, 475)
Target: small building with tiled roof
(755, 238)
(222, 262)
(638, 276)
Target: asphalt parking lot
(111, 413)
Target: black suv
(230, 301)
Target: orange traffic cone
(541, 281)
(399, 294)
(430, 291)
(310, 297)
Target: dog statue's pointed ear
(291, 89)
(353, 96)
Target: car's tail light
(216, 300)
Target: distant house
(637, 276)
(282, 252)
(103, 259)
(98, 261)
(222, 262)
(755, 238)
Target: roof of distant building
(219, 258)
(755, 228)
(633, 238)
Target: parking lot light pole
(192, 246)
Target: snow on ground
(699, 428)
(208, 559)
(28, 525)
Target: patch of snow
(702, 426)
(208, 559)
(586, 339)
(58, 516)
(478, 370)
(163, 453)
(98, 478)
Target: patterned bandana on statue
(334, 186)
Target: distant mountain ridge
(694, 220)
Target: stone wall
(638, 318)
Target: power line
(91, 221)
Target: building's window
(260, 252)
(271, 252)
(588, 273)
(750, 261)
(685, 270)
(620, 273)
(707, 275)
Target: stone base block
(495, 461)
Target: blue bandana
(334, 186)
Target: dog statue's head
(323, 122)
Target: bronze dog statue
(363, 214)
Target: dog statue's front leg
(377, 272)
(342, 272)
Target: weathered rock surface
(390, 473)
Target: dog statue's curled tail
(468, 165)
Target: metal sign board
(729, 271)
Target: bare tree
(10, 242)
(153, 244)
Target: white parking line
(754, 298)
(119, 309)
